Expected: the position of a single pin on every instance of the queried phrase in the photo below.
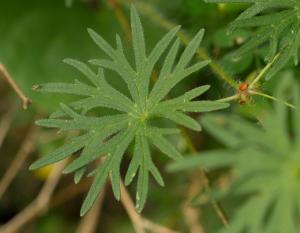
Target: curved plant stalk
(264, 71)
(272, 98)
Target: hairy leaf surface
(109, 136)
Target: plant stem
(228, 99)
(26, 148)
(272, 98)
(4, 74)
(38, 205)
(203, 173)
(89, 223)
(5, 123)
(140, 224)
(264, 71)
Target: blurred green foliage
(37, 35)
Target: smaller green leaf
(233, 131)
(210, 160)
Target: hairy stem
(230, 98)
(272, 98)
(264, 71)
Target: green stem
(264, 71)
(230, 98)
(272, 98)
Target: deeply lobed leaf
(109, 136)
(278, 25)
(265, 164)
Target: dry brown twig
(136, 219)
(67, 193)
(89, 223)
(205, 182)
(27, 147)
(38, 205)
(191, 214)
(6, 123)
(156, 227)
(140, 224)
(7, 77)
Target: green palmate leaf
(266, 165)
(109, 136)
(277, 23)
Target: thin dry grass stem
(140, 224)
(156, 227)
(89, 223)
(38, 205)
(191, 214)
(6, 76)
(69, 192)
(5, 123)
(136, 219)
(27, 147)
(204, 180)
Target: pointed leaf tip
(90, 30)
(33, 166)
(68, 60)
(133, 8)
(36, 87)
(39, 122)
